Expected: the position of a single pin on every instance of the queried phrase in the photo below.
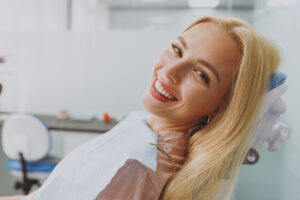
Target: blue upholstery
(277, 79)
(45, 166)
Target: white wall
(20, 15)
(97, 72)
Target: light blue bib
(86, 171)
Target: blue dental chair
(26, 141)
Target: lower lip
(159, 96)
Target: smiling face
(192, 77)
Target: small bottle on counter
(62, 114)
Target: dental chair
(269, 132)
(26, 141)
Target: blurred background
(90, 57)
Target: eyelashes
(199, 72)
(177, 50)
(203, 76)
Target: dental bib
(86, 171)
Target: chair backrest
(26, 134)
(272, 108)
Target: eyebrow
(180, 38)
(201, 61)
(211, 67)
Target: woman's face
(195, 72)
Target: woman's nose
(174, 71)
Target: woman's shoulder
(132, 181)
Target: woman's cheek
(198, 95)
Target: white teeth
(161, 90)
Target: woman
(216, 152)
(204, 98)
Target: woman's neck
(161, 124)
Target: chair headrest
(27, 134)
(276, 79)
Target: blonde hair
(216, 152)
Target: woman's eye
(203, 76)
(177, 50)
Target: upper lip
(165, 87)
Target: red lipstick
(159, 96)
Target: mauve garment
(134, 181)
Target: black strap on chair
(27, 183)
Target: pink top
(135, 181)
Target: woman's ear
(212, 115)
(215, 112)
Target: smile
(160, 93)
(160, 89)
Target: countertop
(91, 126)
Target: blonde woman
(216, 152)
(204, 98)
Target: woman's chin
(149, 103)
(146, 101)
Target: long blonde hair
(216, 152)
